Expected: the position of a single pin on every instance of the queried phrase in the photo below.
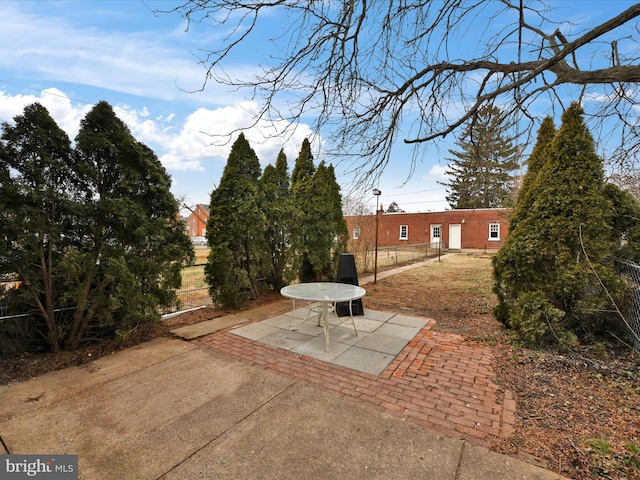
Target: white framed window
(356, 233)
(494, 232)
(404, 232)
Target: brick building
(482, 228)
(197, 221)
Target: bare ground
(578, 412)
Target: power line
(417, 191)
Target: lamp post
(377, 193)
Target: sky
(69, 55)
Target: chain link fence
(630, 271)
(394, 256)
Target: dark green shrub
(535, 319)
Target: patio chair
(347, 274)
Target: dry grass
(455, 291)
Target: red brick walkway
(439, 381)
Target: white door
(455, 237)
(436, 235)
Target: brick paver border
(440, 381)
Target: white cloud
(438, 172)
(12, 105)
(208, 134)
(56, 102)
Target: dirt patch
(456, 292)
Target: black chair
(347, 274)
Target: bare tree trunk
(45, 299)
(82, 315)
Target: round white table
(325, 293)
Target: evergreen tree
(481, 171)
(321, 233)
(393, 208)
(303, 168)
(235, 229)
(131, 245)
(551, 274)
(334, 239)
(95, 234)
(625, 224)
(36, 207)
(537, 159)
(280, 217)
(304, 197)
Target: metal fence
(397, 255)
(194, 292)
(630, 271)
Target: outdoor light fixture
(377, 193)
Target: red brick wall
(197, 221)
(474, 227)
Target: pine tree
(481, 170)
(280, 217)
(235, 229)
(393, 207)
(552, 272)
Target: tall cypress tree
(303, 168)
(235, 229)
(340, 231)
(537, 159)
(320, 234)
(481, 170)
(329, 238)
(304, 198)
(549, 272)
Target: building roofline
(438, 211)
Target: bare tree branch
(372, 73)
